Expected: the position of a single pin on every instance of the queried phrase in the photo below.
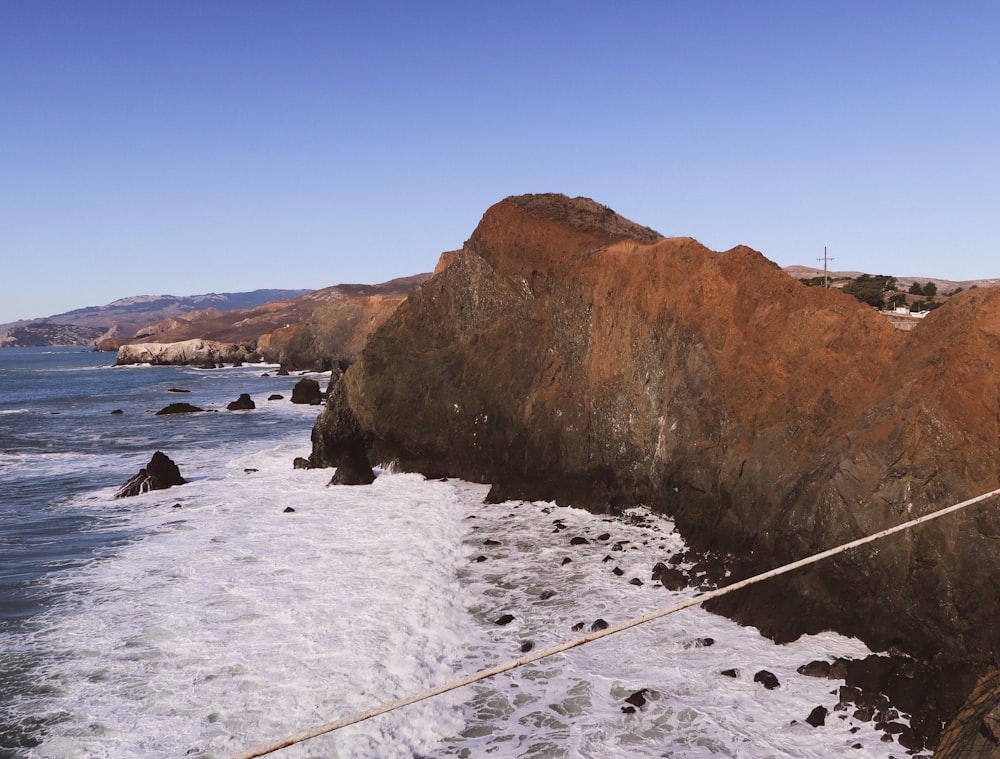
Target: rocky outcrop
(243, 403)
(566, 353)
(160, 473)
(307, 391)
(187, 352)
(332, 337)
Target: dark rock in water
(566, 560)
(492, 542)
(767, 679)
(282, 372)
(177, 390)
(527, 646)
(545, 595)
(635, 581)
(598, 624)
(117, 411)
(617, 571)
(672, 579)
(250, 470)
(817, 717)
(176, 506)
(160, 473)
(307, 391)
(178, 408)
(288, 510)
(577, 627)
(578, 541)
(504, 619)
(817, 668)
(339, 440)
(480, 559)
(700, 643)
(276, 397)
(637, 699)
(734, 673)
(604, 536)
(628, 710)
(243, 403)
(353, 473)
(301, 463)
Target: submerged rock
(160, 473)
(178, 408)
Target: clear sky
(186, 147)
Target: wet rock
(598, 624)
(566, 560)
(637, 699)
(817, 668)
(767, 679)
(276, 397)
(250, 470)
(618, 571)
(578, 541)
(178, 408)
(527, 646)
(492, 542)
(577, 627)
(545, 595)
(301, 463)
(177, 390)
(243, 403)
(672, 579)
(734, 673)
(817, 717)
(306, 391)
(288, 510)
(160, 473)
(635, 581)
(117, 411)
(504, 619)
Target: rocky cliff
(566, 353)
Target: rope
(597, 635)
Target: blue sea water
(255, 601)
(62, 451)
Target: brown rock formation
(565, 353)
(333, 335)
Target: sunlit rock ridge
(567, 353)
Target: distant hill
(126, 316)
(943, 285)
(247, 325)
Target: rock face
(566, 353)
(187, 352)
(160, 473)
(333, 336)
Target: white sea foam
(230, 623)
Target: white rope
(597, 635)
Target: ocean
(255, 601)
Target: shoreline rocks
(203, 353)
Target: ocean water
(255, 601)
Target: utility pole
(826, 275)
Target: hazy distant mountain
(127, 316)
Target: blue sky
(188, 147)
